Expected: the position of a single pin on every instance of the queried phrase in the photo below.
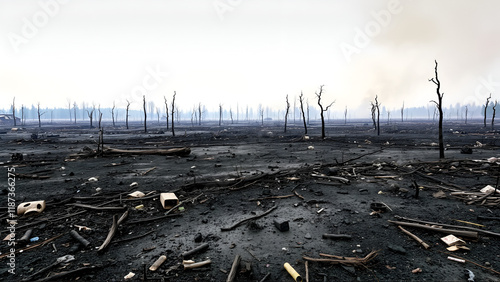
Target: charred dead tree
(231, 115)
(22, 114)
(199, 114)
(166, 110)
(113, 114)
(126, 114)
(261, 113)
(14, 110)
(402, 111)
(493, 116)
(145, 113)
(374, 110)
(220, 114)
(485, 108)
(377, 109)
(173, 112)
(466, 113)
(99, 117)
(74, 110)
(158, 116)
(345, 115)
(301, 100)
(439, 106)
(286, 112)
(69, 110)
(91, 117)
(307, 105)
(40, 114)
(322, 111)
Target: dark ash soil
(235, 172)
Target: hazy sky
(247, 51)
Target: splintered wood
(350, 261)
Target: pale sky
(248, 52)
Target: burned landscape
(250, 199)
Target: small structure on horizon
(8, 119)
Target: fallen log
(449, 225)
(250, 218)
(464, 233)
(352, 261)
(184, 151)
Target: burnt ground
(236, 172)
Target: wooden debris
(245, 220)
(184, 151)
(59, 276)
(79, 238)
(148, 171)
(197, 264)
(96, 207)
(352, 261)
(112, 230)
(234, 269)
(449, 225)
(338, 178)
(200, 248)
(337, 236)
(33, 246)
(158, 263)
(464, 233)
(420, 241)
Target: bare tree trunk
(307, 103)
(39, 115)
(173, 112)
(231, 115)
(220, 114)
(287, 110)
(439, 105)
(91, 116)
(74, 110)
(345, 115)
(14, 110)
(113, 114)
(145, 113)
(377, 107)
(374, 111)
(485, 108)
(199, 114)
(301, 100)
(126, 114)
(493, 117)
(166, 110)
(158, 115)
(466, 112)
(22, 115)
(402, 111)
(322, 111)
